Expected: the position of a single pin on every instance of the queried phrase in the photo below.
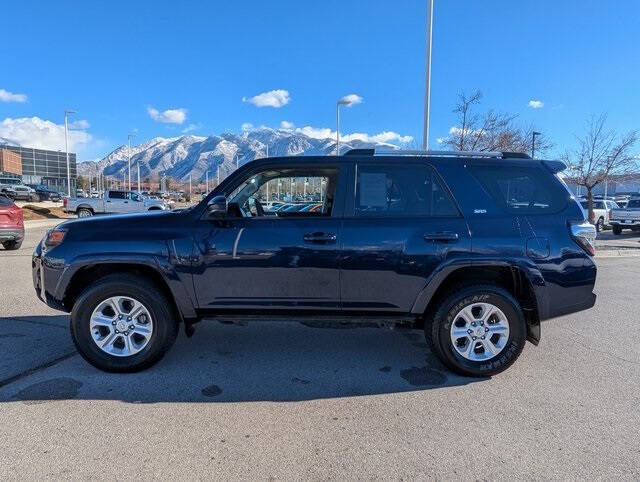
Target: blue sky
(114, 61)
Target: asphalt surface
(289, 401)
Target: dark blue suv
(475, 248)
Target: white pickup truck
(113, 202)
(627, 218)
(601, 210)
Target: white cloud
(169, 116)
(273, 98)
(286, 125)
(536, 104)
(246, 126)
(79, 124)
(42, 134)
(351, 99)
(6, 96)
(191, 128)
(326, 133)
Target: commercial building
(38, 166)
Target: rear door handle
(444, 236)
(320, 238)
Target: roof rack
(398, 152)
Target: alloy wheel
(480, 331)
(121, 326)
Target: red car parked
(11, 224)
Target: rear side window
(5, 201)
(522, 190)
(634, 203)
(401, 190)
(117, 195)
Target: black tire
(165, 328)
(84, 213)
(12, 245)
(600, 225)
(438, 332)
(617, 230)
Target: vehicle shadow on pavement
(261, 361)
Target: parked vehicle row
(476, 250)
(113, 202)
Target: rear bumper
(11, 234)
(623, 223)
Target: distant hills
(177, 157)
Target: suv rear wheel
(123, 323)
(477, 330)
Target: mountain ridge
(179, 157)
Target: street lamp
(66, 147)
(533, 143)
(427, 93)
(348, 101)
(129, 156)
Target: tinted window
(634, 203)
(299, 192)
(5, 201)
(401, 190)
(525, 190)
(117, 195)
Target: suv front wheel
(123, 323)
(477, 331)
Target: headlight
(54, 237)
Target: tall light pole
(129, 136)
(138, 165)
(66, 148)
(348, 101)
(427, 93)
(533, 143)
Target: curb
(615, 253)
(41, 223)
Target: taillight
(64, 202)
(584, 234)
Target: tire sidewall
(517, 331)
(81, 333)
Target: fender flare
(181, 297)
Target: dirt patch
(31, 212)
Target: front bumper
(45, 280)
(11, 234)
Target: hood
(135, 220)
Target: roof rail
(399, 152)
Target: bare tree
(600, 154)
(489, 131)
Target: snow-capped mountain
(177, 157)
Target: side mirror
(217, 207)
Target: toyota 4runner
(476, 249)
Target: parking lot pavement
(293, 401)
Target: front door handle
(443, 236)
(320, 238)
